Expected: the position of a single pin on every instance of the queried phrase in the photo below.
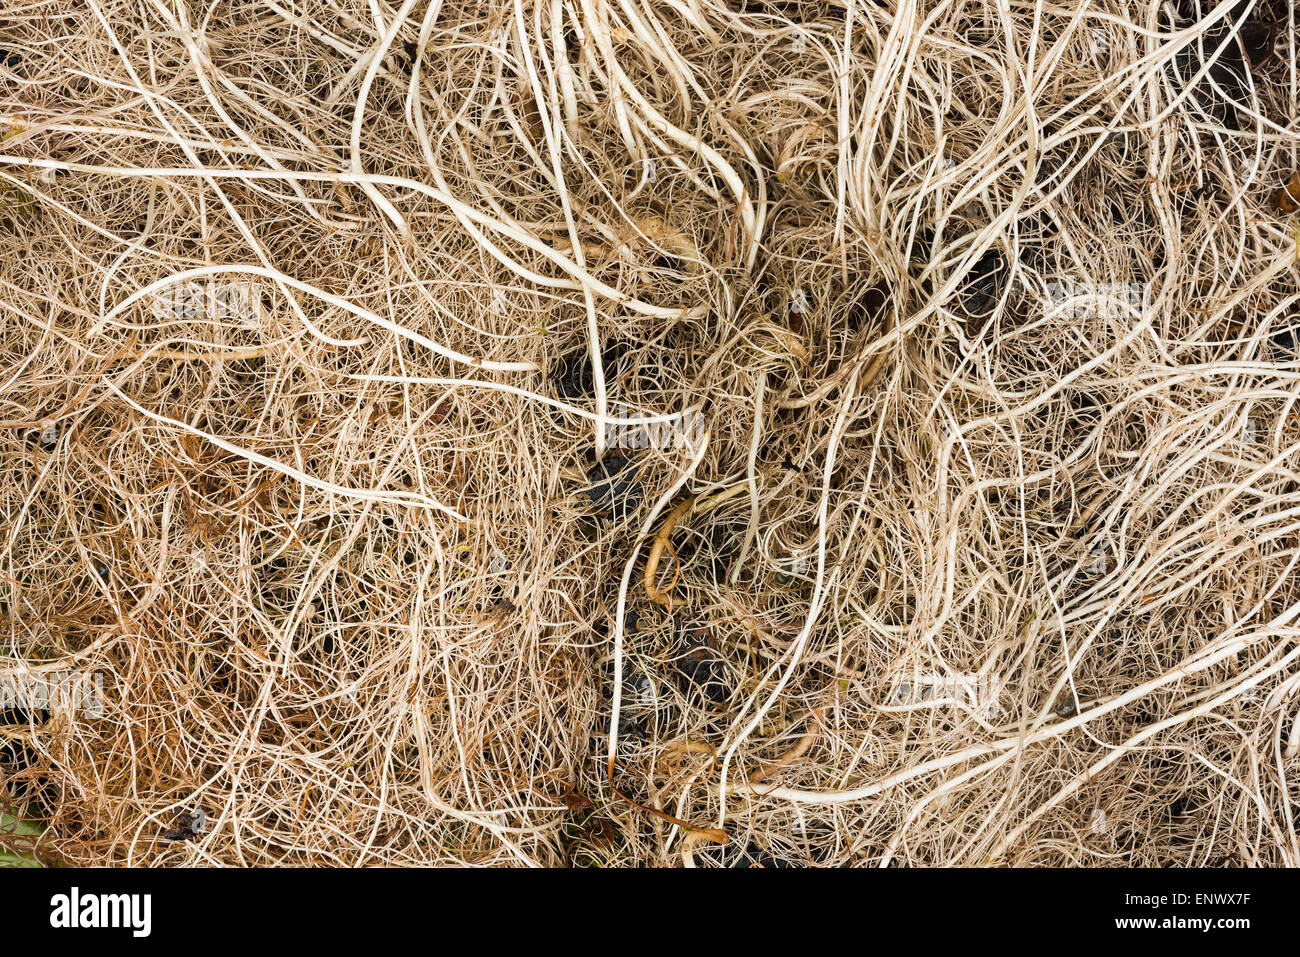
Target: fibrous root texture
(650, 432)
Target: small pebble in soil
(1287, 197)
(499, 606)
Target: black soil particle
(573, 376)
(613, 488)
(700, 672)
(1229, 58)
(984, 283)
(26, 788)
(1285, 339)
(187, 825)
(736, 855)
(868, 312)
